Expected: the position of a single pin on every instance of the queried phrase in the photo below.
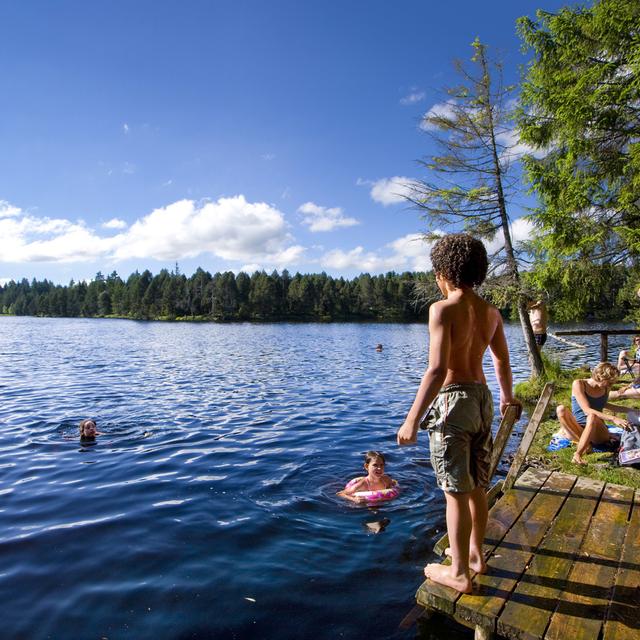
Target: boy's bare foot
(441, 573)
(476, 564)
(578, 459)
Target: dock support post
(604, 347)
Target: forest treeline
(262, 297)
(170, 295)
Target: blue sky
(224, 134)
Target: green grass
(600, 466)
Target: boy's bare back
(471, 324)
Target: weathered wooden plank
(513, 554)
(502, 437)
(492, 496)
(581, 611)
(526, 615)
(623, 620)
(501, 518)
(411, 618)
(527, 438)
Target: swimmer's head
(374, 460)
(88, 428)
(605, 372)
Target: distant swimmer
(88, 429)
(378, 347)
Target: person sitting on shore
(629, 359)
(375, 480)
(88, 429)
(584, 423)
(628, 392)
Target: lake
(207, 507)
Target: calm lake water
(207, 508)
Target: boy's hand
(407, 433)
(513, 402)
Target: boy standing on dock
(461, 327)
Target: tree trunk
(535, 359)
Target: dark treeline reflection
(222, 297)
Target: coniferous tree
(471, 172)
(581, 106)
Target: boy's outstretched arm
(434, 376)
(500, 356)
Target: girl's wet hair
(374, 455)
(83, 424)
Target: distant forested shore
(604, 294)
(222, 297)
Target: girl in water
(585, 422)
(88, 429)
(376, 485)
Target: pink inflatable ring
(378, 495)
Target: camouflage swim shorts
(459, 426)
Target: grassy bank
(601, 466)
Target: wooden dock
(564, 562)
(563, 556)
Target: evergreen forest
(224, 297)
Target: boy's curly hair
(461, 259)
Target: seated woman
(629, 359)
(585, 422)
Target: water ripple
(208, 507)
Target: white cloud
(250, 268)
(324, 218)
(357, 259)
(268, 156)
(439, 110)
(8, 211)
(391, 190)
(414, 250)
(521, 230)
(230, 228)
(129, 168)
(125, 128)
(30, 239)
(515, 148)
(4, 281)
(408, 253)
(412, 98)
(114, 223)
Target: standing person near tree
(538, 317)
(461, 327)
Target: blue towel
(558, 442)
